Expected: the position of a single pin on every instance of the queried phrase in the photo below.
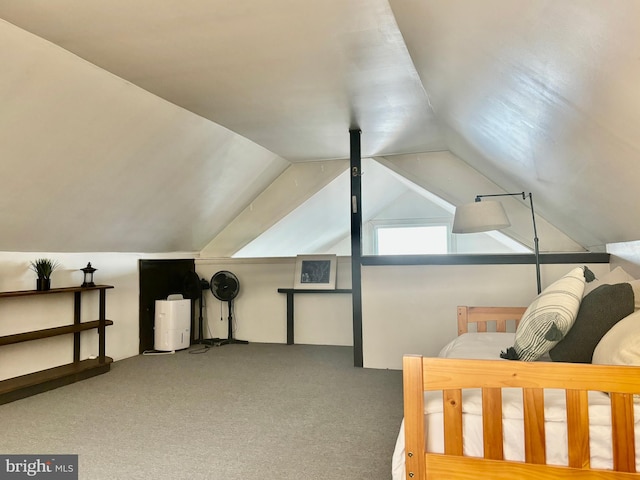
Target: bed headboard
(481, 316)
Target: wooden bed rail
(452, 375)
(482, 316)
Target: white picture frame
(315, 272)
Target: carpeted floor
(250, 412)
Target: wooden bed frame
(451, 375)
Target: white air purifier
(172, 330)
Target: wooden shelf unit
(41, 381)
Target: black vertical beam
(77, 308)
(102, 322)
(290, 334)
(356, 245)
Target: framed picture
(315, 272)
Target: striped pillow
(549, 317)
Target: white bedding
(488, 346)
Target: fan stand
(192, 287)
(210, 342)
(230, 340)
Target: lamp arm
(535, 243)
(536, 248)
(520, 194)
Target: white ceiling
(197, 106)
(292, 76)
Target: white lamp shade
(480, 217)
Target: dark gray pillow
(599, 310)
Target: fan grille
(225, 285)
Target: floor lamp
(490, 215)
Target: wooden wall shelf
(53, 291)
(37, 382)
(50, 332)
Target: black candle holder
(88, 276)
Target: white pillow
(477, 346)
(621, 344)
(617, 275)
(549, 317)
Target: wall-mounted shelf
(37, 382)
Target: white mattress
(488, 346)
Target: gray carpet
(257, 411)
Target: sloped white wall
(91, 162)
(627, 256)
(413, 206)
(449, 177)
(321, 217)
(296, 185)
(306, 209)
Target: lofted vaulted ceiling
(152, 126)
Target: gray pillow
(599, 310)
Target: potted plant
(44, 267)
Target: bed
(498, 419)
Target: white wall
(626, 255)
(35, 312)
(260, 311)
(406, 309)
(412, 309)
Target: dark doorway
(159, 279)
